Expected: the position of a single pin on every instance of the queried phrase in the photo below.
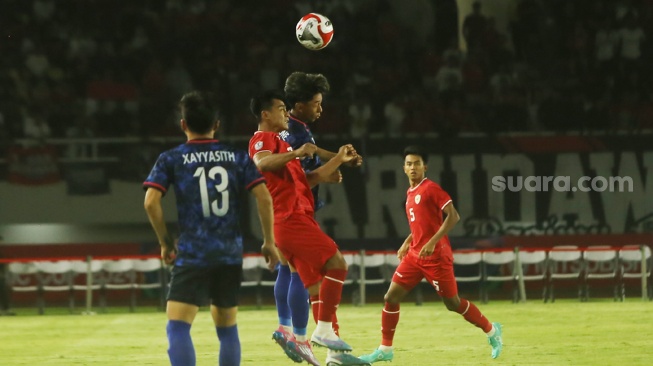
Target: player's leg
(180, 318)
(281, 286)
(227, 331)
(406, 277)
(315, 309)
(186, 288)
(443, 280)
(320, 265)
(288, 312)
(330, 294)
(294, 248)
(299, 305)
(224, 291)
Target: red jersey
(424, 205)
(288, 186)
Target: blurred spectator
(606, 41)
(578, 43)
(596, 113)
(177, 78)
(35, 125)
(394, 114)
(624, 8)
(360, 115)
(449, 79)
(83, 128)
(43, 9)
(37, 63)
(631, 37)
(474, 27)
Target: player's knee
(452, 304)
(337, 262)
(391, 298)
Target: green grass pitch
(564, 333)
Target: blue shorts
(197, 285)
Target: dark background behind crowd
(115, 68)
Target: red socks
(315, 307)
(331, 293)
(389, 321)
(471, 313)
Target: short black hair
(199, 111)
(301, 87)
(416, 150)
(264, 101)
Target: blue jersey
(298, 134)
(208, 178)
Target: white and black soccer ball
(314, 31)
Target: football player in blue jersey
(208, 177)
(304, 94)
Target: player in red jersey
(426, 253)
(304, 95)
(307, 248)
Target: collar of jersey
(201, 141)
(290, 116)
(418, 184)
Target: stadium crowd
(84, 68)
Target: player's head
(199, 114)
(269, 109)
(415, 160)
(304, 93)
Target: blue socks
(229, 346)
(292, 301)
(298, 301)
(281, 295)
(181, 350)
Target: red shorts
(438, 271)
(305, 246)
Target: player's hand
(306, 151)
(427, 250)
(335, 177)
(346, 153)
(403, 250)
(168, 252)
(356, 162)
(270, 254)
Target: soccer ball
(314, 31)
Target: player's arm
(267, 161)
(449, 222)
(403, 250)
(266, 216)
(325, 173)
(327, 155)
(154, 212)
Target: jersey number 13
(214, 207)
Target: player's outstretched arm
(266, 161)
(154, 212)
(346, 153)
(327, 155)
(266, 216)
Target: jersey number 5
(214, 207)
(412, 214)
